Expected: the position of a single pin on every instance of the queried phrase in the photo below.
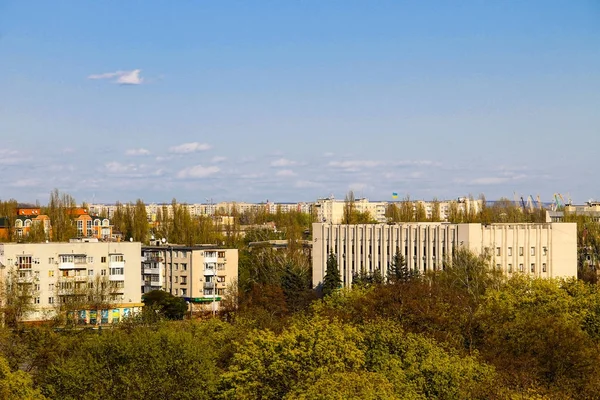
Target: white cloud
(307, 184)
(286, 172)
(187, 148)
(116, 167)
(121, 77)
(490, 180)
(137, 152)
(218, 159)
(25, 183)
(282, 162)
(328, 154)
(355, 164)
(197, 171)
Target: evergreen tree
(398, 270)
(332, 280)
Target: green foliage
(16, 385)
(269, 366)
(169, 306)
(332, 280)
(398, 271)
(177, 361)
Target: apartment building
(56, 271)
(541, 250)
(331, 210)
(200, 274)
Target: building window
(50, 274)
(510, 251)
(545, 250)
(221, 254)
(90, 260)
(103, 272)
(220, 267)
(37, 288)
(90, 272)
(183, 266)
(50, 300)
(510, 268)
(36, 300)
(533, 251)
(116, 271)
(51, 287)
(24, 262)
(50, 260)
(103, 259)
(520, 267)
(543, 267)
(175, 292)
(532, 267)
(176, 279)
(184, 292)
(176, 266)
(116, 258)
(521, 251)
(498, 251)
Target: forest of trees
(461, 333)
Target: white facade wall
(548, 250)
(51, 264)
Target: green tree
(17, 295)
(171, 307)
(398, 270)
(332, 280)
(16, 385)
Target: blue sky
(294, 100)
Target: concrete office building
(56, 270)
(541, 250)
(200, 274)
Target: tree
(60, 210)
(16, 385)
(398, 270)
(170, 306)
(332, 280)
(18, 292)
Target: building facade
(541, 250)
(58, 271)
(199, 274)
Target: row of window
(25, 262)
(522, 268)
(509, 251)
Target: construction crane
(516, 199)
(539, 202)
(523, 204)
(530, 203)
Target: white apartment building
(200, 274)
(56, 270)
(541, 250)
(331, 210)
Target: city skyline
(296, 101)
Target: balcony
(116, 277)
(209, 285)
(210, 271)
(151, 271)
(152, 259)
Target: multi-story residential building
(541, 250)
(59, 270)
(200, 274)
(331, 210)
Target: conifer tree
(332, 280)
